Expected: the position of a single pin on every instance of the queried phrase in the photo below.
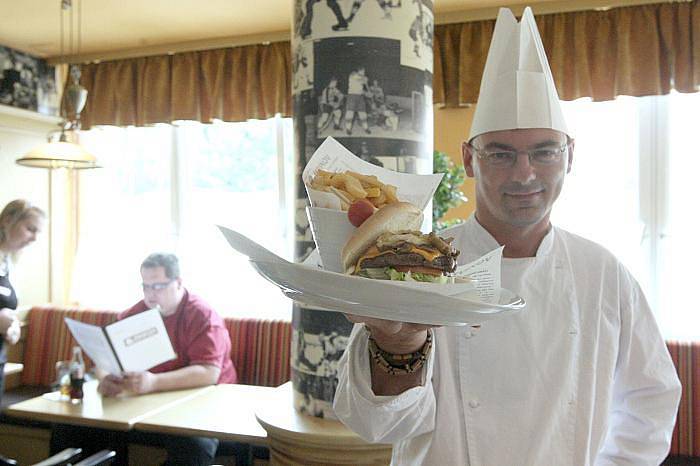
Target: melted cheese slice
(374, 252)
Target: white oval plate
(382, 299)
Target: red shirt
(198, 336)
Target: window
(677, 256)
(629, 190)
(165, 188)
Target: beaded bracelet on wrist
(398, 364)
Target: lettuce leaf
(389, 273)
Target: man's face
(520, 194)
(159, 290)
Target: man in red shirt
(197, 333)
(203, 348)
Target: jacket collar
(485, 242)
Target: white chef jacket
(580, 377)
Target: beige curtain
(233, 84)
(637, 51)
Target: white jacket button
(473, 404)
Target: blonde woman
(20, 223)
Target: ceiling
(109, 26)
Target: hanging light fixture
(62, 149)
(65, 152)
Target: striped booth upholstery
(259, 348)
(686, 434)
(49, 340)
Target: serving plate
(419, 303)
(383, 299)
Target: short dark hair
(168, 261)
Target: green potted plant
(448, 193)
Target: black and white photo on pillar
(317, 347)
(368, 94)
(302, 67)
(27, 82)
(417, 43)
(409, 21)
(369, 66)
(306, 144)
(323, 18)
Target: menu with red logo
(136, 343)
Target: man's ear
(467, 157)
(570, 160)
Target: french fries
(350, 186)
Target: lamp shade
(59, 155)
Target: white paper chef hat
(517, 88)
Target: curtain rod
(177, 47)
(461, 16)
(543, 8)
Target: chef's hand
(139, 382)
(111, 385)
(397, 337)
(394, 337)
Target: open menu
(136, 343)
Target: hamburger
(388, 246)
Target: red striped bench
(686, 435)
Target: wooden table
(226, 412)
(119, 413)
(297, 439)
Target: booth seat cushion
(259, 348)
(48, 340)
(686, 434)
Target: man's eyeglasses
(156, 286)
(544, 156)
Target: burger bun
(390, 218)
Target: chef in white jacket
(581, 376)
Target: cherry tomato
(359, 211)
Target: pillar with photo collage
(362, 73)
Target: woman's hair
(13, 213)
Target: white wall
(20, 131)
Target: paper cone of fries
(331, 230)
(330, 196)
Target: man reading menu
(202, 346)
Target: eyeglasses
(156, 286)
(506, 158)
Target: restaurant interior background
(189, 113)
(166, 186)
